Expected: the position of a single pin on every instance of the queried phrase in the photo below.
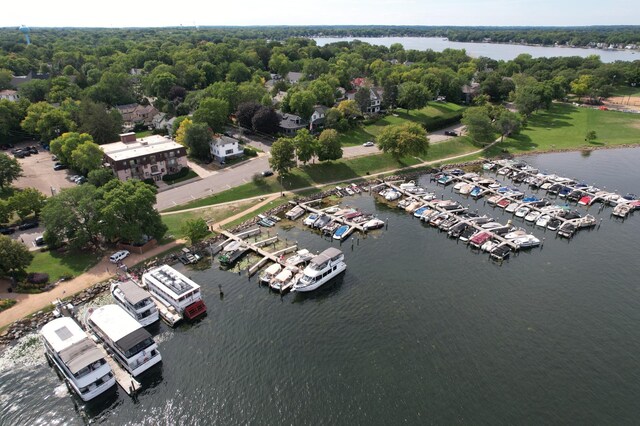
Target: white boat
(392, 195)
(132, 346)
(309, 220)
(349, 191)
(294, 213)
(532, 216)
(459, 185)
(429, 196)
(622, 209)
(543, 220)
(522, 211)
(489, 245)
(466, 189)
(300, 258)
(407, 185)
(270, 273)
(402, 204)
(285, 279)
(515, 234)
(413, 206)
(77, 358)
(526, 241)
(136, 301)
(511, 208)
(332, 210)
(373, 224)
(172, 288)
(321, 269)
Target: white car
(367, 144)
(118, 256)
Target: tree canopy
(402, 140)
(14, 256)
(282, 158)
(10, 170)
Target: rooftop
(171, 281)
(114, 321)
(154, 144)
(62, 333)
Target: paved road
(237, 175)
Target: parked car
(28, 225)
(7, 231)
(33, 149)
(118, 256)
(368, 143)
(267, 173)
(72, 178)
(450, 133)
(80, 180)
(60, 166)
(39, 240)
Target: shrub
(182, 173)
(38, 278)
(6, 304)
(150, 181)
(250, 152)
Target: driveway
(38, 172)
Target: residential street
(242, 173)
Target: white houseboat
(174, 289)
(132, 345)
(136, 301)
(77, 358)
(321, 269)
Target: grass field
(565, 126)
(57, 265)
(429, 116)
(217, 213)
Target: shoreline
(32, 322)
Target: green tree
(10, 117)
(508, 123)
(64, 145)
(402, 140)
(27, 201)
(73, 216)
(104, 126)
(413, 95)
(213, 112)
(35, 90)
(363, 98)
(6, 211)
(162, 83)
(349, 109)
(46, 121)
(127, 211)
(195, 230)
(5, 78)
(10, 170)
(302, 103)
(14, 256)
(306, 145)
(329, 146)
(282, 158)
(238, 72)
(582, 85)
(266, 120)
(479, 124)
(61, 89)
(197, 138)
(279, 64)
(87, 157)
(100, 177)
(591, 136)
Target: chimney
(128, 137)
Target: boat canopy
(79, 355)
(132, 292)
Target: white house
(375, 99)
(223, 147)
(317, 118)
(10, 95)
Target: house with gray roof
(291, 123)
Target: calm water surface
(496, 51)
(419, 330)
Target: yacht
(172, 288)
(374, 223)
(295, 213)
(136, 301)
(321, 269)
(132, 346)
(267, 276)
(77, 357)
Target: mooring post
(600, 223)
(386, 224)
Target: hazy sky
(158, 13)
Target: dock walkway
(123, 378)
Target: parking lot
(38, 172)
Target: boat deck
(123, 377)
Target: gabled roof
(223, 140)
(293, 76)
(291, 121)
(321, 109)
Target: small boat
(585, 200)
(511, 208)
(476, 191)
(342, 232)
(373, 224)
(332, 210)
(407, 185)
(489, 245)
(309, 220)
(265, 223)
(355, 188)
(564, 192)
(322, 221)
(392, 195)
(567, 230)
(285, 279)
(438, 219)
(503, 203)
(349, 191)
(413, 206)
(500, 252)
(504, 171)
(491, 225)
(302, 257)
(488, 166)
(446, 224)
(402, 204)
(586, 222)
(526, 241)
(429, 196)
(342, 212)
(554, 224)
(494, 199)
(543, 220)
(418, 212)
(576, 195)
(515, 234)
(468, 233)
(294, 213)
(459, 185)
(270, 273)
(466, 189)
(479, 239)
(522, 211)
(622, 209)
(445, 180)
(532, 216)
(352, 215)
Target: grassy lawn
(58, 265)
(189, 175)
(626, 91)
(564, 127)
(262, 209)
(143, 134)
(429, 116)
(217, 213)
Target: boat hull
(304, 289)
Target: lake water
(496, 51)
(419, 330)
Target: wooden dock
(123, 377)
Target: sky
(162, 13)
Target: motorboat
(586, 222)
(585, 200)
(576, 195)
(515, 234)
(468, 233)
(491, 225)
(392, 195)
(77, 358)
(407, 185)
(320, 270)
(489, 245)
(543, 220)
(466, 188)
(302, 257)
(322, 221)
(342, 232)
(374, 223)
(479, 239)
(294, 213)
(503, 203)
(231, 253)
(429, 196)
(285, 279)
(501, 252)
(270, 273)
(511, 208)
(332, 210)
(418, 212)
(172, 288)
(349, 191)
(438, 219)
(459, 185)
(494, 199)
(309, 220)
(564, 192)
(522, 211)
(567, 229)
(532, 216)
(526, 241)
(446, 224)
(330, 228)
(132, 346)
(488, 166)
(457, 229)
(504, 171)
(445, 180)
(352, 215)
(554, 224)
(477, 192)
(402, 204)
(413, 206)
(136, 301)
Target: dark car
(19, 154)
(28, 225)
(7, 231)
(450, 133)
(267, 173)
(39, 240)
(33, 149)
(60, 166)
